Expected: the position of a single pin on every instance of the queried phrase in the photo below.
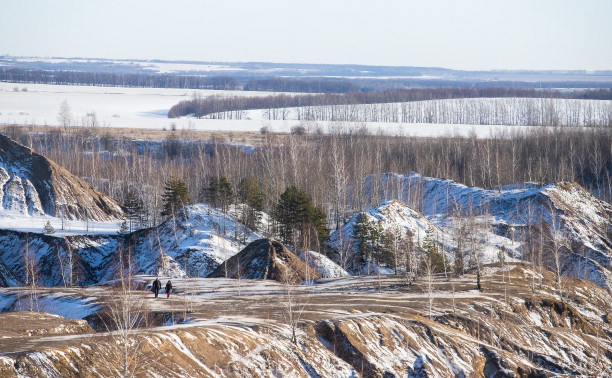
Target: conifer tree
(134, 208)
(211, 193)
(361, 236)
(250, 195)
(175, 196)
(48, 229)
(434, 255)
(372, 242)
(124, 228)
(225, 193)
(299, 217)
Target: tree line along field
(142, 80)
(338, 171)
(480, 106)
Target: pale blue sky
(461, 34)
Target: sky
(458, 34)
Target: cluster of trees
(340, 172)
(106, 79)
(232, 106)
(141, 80)
(372, 243)
(301, 223)
(527, 107)
(498, 111)
(303, 86)
(295, 218)
(396, 250)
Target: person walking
(156, 287)
(168, 289)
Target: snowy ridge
(511, 212)
(193, 243)
(393, 215)
(32, 185)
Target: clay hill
(266, 259)
(31, 184)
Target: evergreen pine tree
(124, 228)
(432, 252)
(249, 194)
(298, 216)
(369, 238)
(48, 229)
(211, 193)
(225, 193)
(361, 237)
(134, 209)
(373, 242)
(175, 196)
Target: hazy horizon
(468, 35)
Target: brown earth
(56, 185)
(266, 259)
(365, 326)
(26, 323)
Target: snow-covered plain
(12, 220)
(505, 111)
(147, 108)
(143, 108)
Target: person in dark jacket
(168, 289)
(156, 287)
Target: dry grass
(246, 137)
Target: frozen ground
(343, 326)
(144, 108)
(11, 220)
(147, 108)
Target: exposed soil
(379, 326)
(266, 259)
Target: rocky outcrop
(31, 184)
(515, 216)
(348, 328)
(266, 259)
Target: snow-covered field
(507, 111)
(147, 108)
(11, 220)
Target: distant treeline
(135, 80)
(17, 75)
(340, 170)
(304, 86)
(200, 107)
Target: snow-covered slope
(515, 215)
(394, 216)
(266, 259)
(322, 264)
(347, 327)
(193, 243)
(30, 184)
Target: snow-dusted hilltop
(31, 184)
(525, 219)
(266, 259)
(193, 243)
(394, 216)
